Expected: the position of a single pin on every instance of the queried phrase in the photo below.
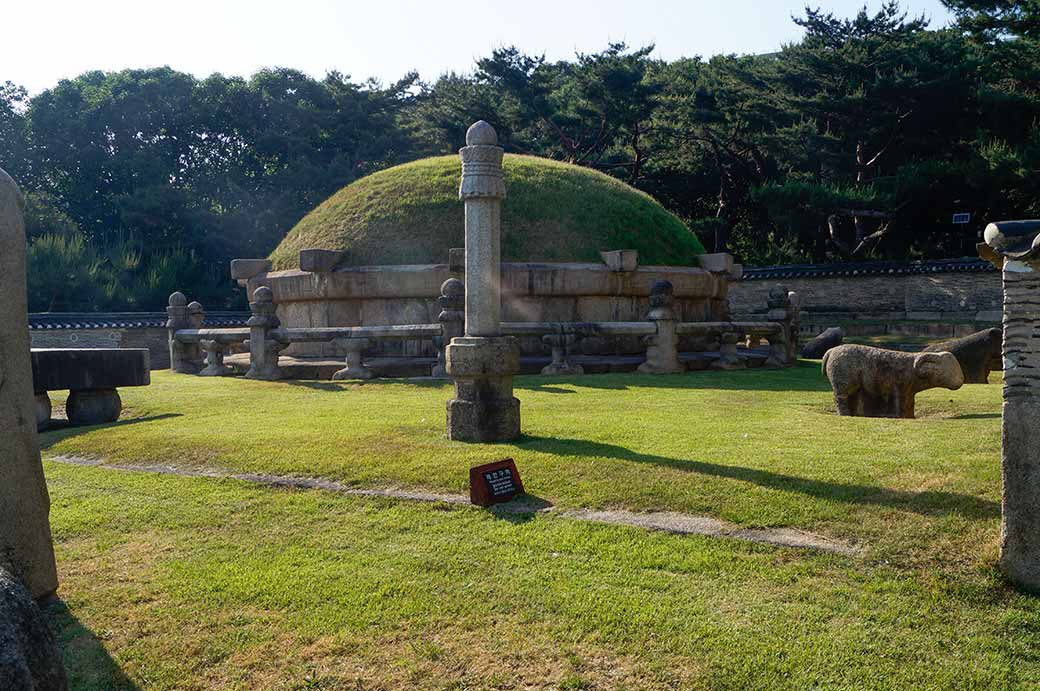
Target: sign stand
(494, 483)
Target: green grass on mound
(411, 214)
(196, 583)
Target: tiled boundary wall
(932, 298)
(115, 330)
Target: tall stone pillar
(1015, 247)
(483, 362)
(26, 549)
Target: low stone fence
(323, 294)
(198, 350)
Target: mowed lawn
(183, 582)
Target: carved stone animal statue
(826, 340)
(978, 354)
(872, 382)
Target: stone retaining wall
(541, 292)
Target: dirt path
(680, 523)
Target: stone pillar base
(1020, 515)
(93, 406)
(484, 408)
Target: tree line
(860, 141)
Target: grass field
(179, 582)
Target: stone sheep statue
(826, 340)
(977, 354)
(872, 382)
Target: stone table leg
(215, 366)
(43, 411)
(728, 357)
(560, 346)
(355, 368)
(93, 406)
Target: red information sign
(493, 483)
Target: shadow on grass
(61, 429)
(87, 663)
(345, 385)
(319, 384)
(929, 503)
(804, 376)
(521, 509)
(976, 416)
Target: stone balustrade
(201, 351)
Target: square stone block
(483, 420)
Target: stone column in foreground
(483, 362)
(26, 549)
(1015, 247)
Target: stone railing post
(784, 307)
(1014, 246)
(263, 349)
(560, 345)
(483, 362)
(355, 368)
(662, 350)
(196, 317)
(452, 319)
(182, 356)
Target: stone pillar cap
(1014, 239)
(480, 133)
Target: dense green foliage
(860, 140)
(196, 583)
(410, 214)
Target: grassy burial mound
(411, 214)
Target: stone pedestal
(484, 408)
(355, 368)
(215, 366)
(729, 359)
(93, 406)
(43, 411)
(560, 346)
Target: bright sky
(47, 40)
